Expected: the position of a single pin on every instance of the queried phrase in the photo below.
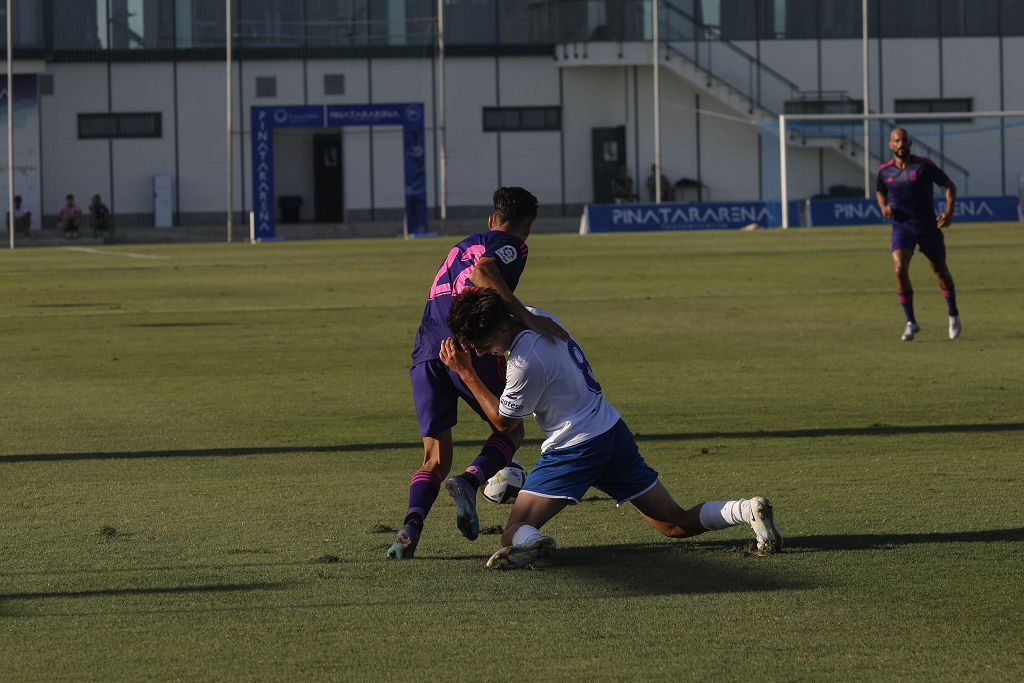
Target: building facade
(554, 95)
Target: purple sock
(907, 302)
(950, 295)
(496, 454)
(423, 491)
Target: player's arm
(945, 218)
(488, 274)
(461, 362)
(882, 197)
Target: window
(136, 125)
(45, 84)
(266, 86)
(522, 118)
(334, 84)
(933, 105)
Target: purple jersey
(508, 251)
(910, 192)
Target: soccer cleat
(769, 538)
(464, 496)
(522, 556)
(954, 326)
(911, 329)
(405, 543)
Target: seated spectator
(70, 217)
(667, 195)
(22, 218)
(622, 187)
(100, 219)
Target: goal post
(981, 134)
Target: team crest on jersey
(507, 253)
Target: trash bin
(290, 208)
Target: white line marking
(126, 254)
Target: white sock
(721, 514)
(526, 534)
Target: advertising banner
(833, 212)
(684, 216)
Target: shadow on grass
(160, 590)
(873, 430)
(668, 568)
(839, 542)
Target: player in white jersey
(588, 444)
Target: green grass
(198, 451)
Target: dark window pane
(336, 23)
(532, 119)
(801, 19)
(739, 19)
(471, 22)
(142, 125)
(522, 118)
(97, 126)
(1012, 18)
(910, 19)
(981, 17)
(841, 18)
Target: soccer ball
(504, 486)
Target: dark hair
(70, 196)
(475, 315)
(17, 197)
(515, 205)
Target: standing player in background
(905, 194)
(496, 260)
(588, 444)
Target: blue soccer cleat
(464, 496)
(405, 543)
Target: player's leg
(902, 251)
(522, 543)
(496, 453)
(934, 248)
(435, 400)
(663, 513)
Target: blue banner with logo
(407, 115)
(831, 212)
(685, 216)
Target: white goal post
(938, 117)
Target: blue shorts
(929, 240)
(611, 463)
(436, 391)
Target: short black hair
(70, 196)
(17, 197)
(515, 205)
(475, 315)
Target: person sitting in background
(100, 219)
(70, 217)
(22, 218)
(667, 194)
(622, 187)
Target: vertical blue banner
(408, 115)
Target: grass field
(203, 446)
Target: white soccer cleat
(523, 555)
(769, 538)
(954, 327)
(912, 329)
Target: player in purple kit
(496, 260)
(905, 194)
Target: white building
(550, 94)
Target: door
(328, 200)
(609, 153)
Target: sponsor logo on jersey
(507, 253)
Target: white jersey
(553, 380)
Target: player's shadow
(882, 541)
(155, 590)
(666, 568)
(242, 451)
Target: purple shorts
(930, 241)
(436, 391)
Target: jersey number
(462, 281)
(576, 353)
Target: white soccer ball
(504, 486)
